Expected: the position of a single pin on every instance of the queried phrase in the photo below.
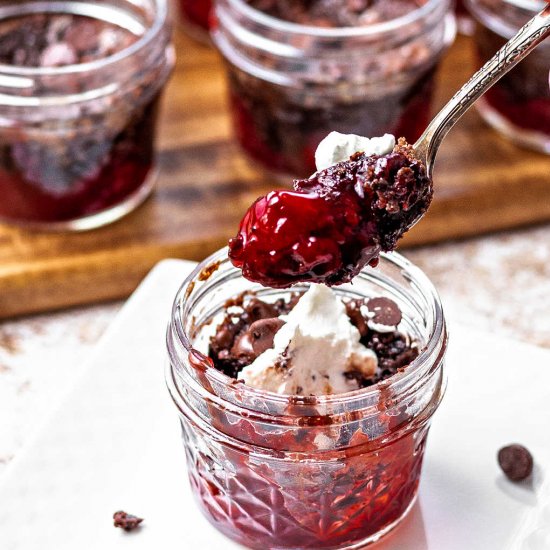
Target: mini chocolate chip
(386, 311)
(126, 521)
(263, 332)
(516, 462)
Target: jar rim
(335, 32)
(490, 17)
(533, 5)
(437, 337)
(161, 16)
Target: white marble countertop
(499, 283)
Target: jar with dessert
(305, 400)
(80, 84)
(195, 16)
(305, 411)
(518, 106)
(298, 70)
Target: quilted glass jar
(273, 471)
(80, 84)
(292, 84)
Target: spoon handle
(527, 38)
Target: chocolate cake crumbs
(126, 521)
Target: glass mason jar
(196, 15)
(274, 471)
(77, 129)
(518, 105)
(290, 84)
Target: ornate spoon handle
(518, 47)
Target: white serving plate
(114, 443)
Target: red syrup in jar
(341, 498)
(197, 12)
(283, 136)
(94, 172)
(522, 96)
(334, 223)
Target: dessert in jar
(298, 70)
(79, 94)
(305, 409)
(518, 105)
(195, 15)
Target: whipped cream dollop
(313, 351)
(338, 147)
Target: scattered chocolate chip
(516, 462)
(386, 312)
(126, 521)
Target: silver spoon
(518, 47)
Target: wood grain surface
(483, 183)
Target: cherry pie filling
(334, 223)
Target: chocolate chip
(263, 332)
(386, 311)
(126, 521)
(516, 462)
(257, 339)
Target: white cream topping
(337, 147)
(313, 350)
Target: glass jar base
(365, 543)
(528, 139)
(96, 220)
(359, 545)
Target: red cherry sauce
(197, 12)
(334, 223)
(271, 506)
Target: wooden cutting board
(483, 183)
